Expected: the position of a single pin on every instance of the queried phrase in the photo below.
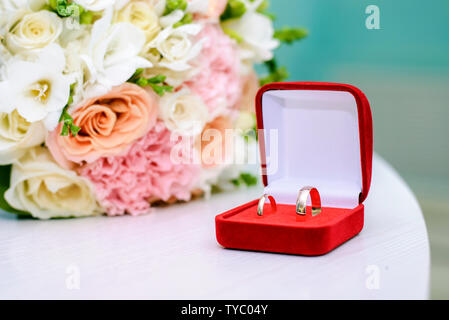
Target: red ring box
(314, 134)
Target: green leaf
(269, 15)
(142, 82)
(65, 130)
(281, 74)
(188, 18)
(5, 174)
(271, 65)
(234, 9)
(66, 8)
(263, 6)
(156, 82)
(233, 34)
(67, 124)
(245, 178)
(74, 129)
(248, 179)
(289, 35)
(136, 75)
(86, 17)
(236, 182)
(70, 99)
(66, 118)
(161, 89)
(276, 74)
(263, 9)
(173, 5)
(160, 78)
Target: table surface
(172, 254)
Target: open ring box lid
(314, 134)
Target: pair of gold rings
(301, 201)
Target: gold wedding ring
(301, 201)
(262, 202)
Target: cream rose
(142, 16)
(177, 46)
(256, 32)
(34, 31)
(184, 113)
(45, 190)
(17, 135)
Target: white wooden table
(173, 254)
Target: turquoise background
(413, 33)
(403, 68)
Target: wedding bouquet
(111, 106)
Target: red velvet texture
(284, 231)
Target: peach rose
(214, 142)
(109, 124)
(210, 9)
(216, 8)
(249, 91)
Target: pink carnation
(124, 184)
(218, 81)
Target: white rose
(177, 46)
(256, 31)
(45, 190)
(12, 10)
(5, 56)
(184, 113)
(95, 5)
(17, 4)
(12, 4)
(17, 135)
(113, 54)
(37, 89)
(34, 31)
(157, 5)
(141, 15)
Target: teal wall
(413, 33)
(403, 68)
